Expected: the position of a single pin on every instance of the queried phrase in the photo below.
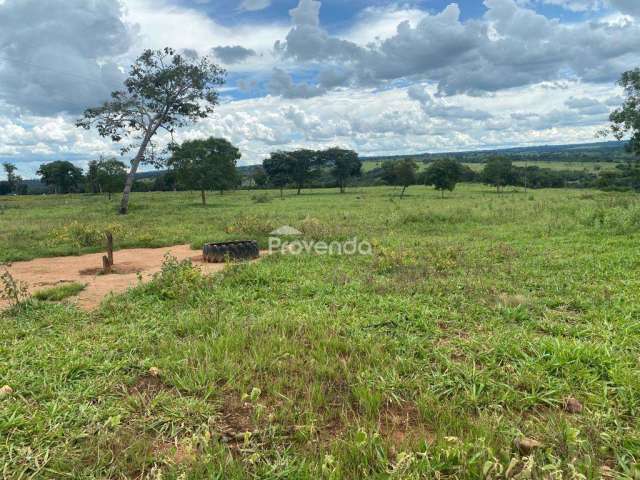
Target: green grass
(60, 292)
(473, 321)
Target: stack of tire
(222, 252)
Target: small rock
(6, 391)
(572, 405)
(526, 445)
(154, 371)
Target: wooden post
(107, 260)
(109, 236)
(106, 267)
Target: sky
(381, 77)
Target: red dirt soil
(44, 273)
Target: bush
(261, 198)
(251, 225)
(12, 290)
(176, 279)
(82, 235)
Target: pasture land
(590, 167)
(479, 320)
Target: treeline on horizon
(337, 168)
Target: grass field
(469, 327)
(591, 167)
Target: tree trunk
(442, 192)
(402, 193)
(109, 195)
(124, 204)
(204, 197)
(281, 193)
(341, 187)
(299, 189)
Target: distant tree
(277, 168)
(110, 176)
(498, 171)
(5, 189)
(166, 182)
(402, 173)
(259, 177)
(303, 166)
(164, 90)
(12, 178)
(63, 176)
(443, 174)
(206, 165)
(344, 164)
(91, 178)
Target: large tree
(163, 91)
(303, 166)
(443, 174)
(402, 173)
(63, 176)
(344, 164)
(12, 178)
(206, 165)
(625, 121)
(498, 171)
(278, 170)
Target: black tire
(221, 252)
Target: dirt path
(44, 273)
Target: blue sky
(378, 76)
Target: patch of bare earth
(130, 266)
(402, 424)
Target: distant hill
(586, 152)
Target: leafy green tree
(5, 189)
(443, 174)
(278, 170)
(345, 164)
(110, 176)
(206, 165)
(12, 178)
(303, 166)
(625, 121)
(498, 172)
(402, 173)
(63, 176)
(164, 91)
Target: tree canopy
(63, 176)
(443, 174)
(498, 171)
(13, 180)
(278, 170)
(164, 90)
(344, 164)
(303, 165)
(402, 173)
(206, 165)
(625, 121)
